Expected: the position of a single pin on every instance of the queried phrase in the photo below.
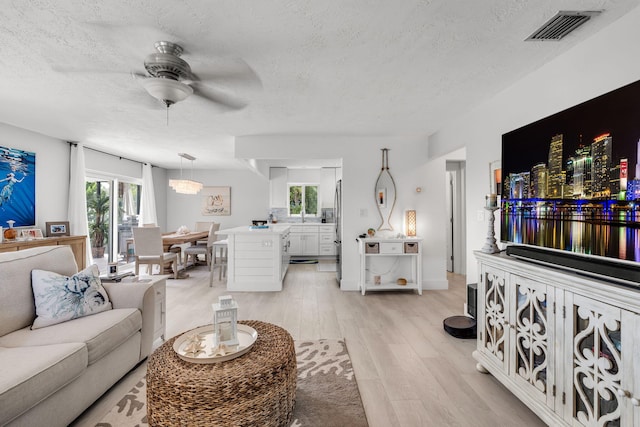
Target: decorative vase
(10, 233)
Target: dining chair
(148, 250)
(204, 226)
(220, 259)
(206, 250)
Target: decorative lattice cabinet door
(494, 321)
(602, 356)
(532, 342)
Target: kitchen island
(257, 258)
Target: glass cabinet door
(494, 326)
(532, 326)
(595, 356)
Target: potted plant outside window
(98, 216)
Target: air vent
(561, 24)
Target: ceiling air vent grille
(561, 24)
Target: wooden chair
(206, 250)
(148, 250)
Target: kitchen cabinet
(304, 240)
(257, 259)
(278, 187)
(384, 261)
(326, 240)
(327, 187)
(567, 345)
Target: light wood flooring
(409, 371)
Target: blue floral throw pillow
(60, 298)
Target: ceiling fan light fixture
(166, 90)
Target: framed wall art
(17, 187)
(216, 201)
(57, 228)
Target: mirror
(385, 192)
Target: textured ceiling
(348, 67)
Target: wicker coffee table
(255, 389)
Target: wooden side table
(255, 389)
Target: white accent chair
(147, 242)
(206, 250)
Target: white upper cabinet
(328, 187)
(278, 187)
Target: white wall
(604, 62)
(249, 198)
(361, 162)
(52, 171)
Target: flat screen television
(571, 181)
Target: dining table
(175, 238)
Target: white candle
(492, 200)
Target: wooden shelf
(77, 244)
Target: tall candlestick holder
(490, 246)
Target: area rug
(326, 393)
(303, 261)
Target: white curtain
(78, 222)
(148, 209)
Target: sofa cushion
(17, 308)
(29, 375)
(101, 332)
(61, 298)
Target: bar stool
(219, 260)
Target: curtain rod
(75, 144)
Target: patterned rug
(326, 393)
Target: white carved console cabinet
(567, 345)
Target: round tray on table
(246, 336)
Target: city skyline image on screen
(571, 181)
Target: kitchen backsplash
(281, 215)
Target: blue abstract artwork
(17, 187)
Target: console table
(77, 244)
(384, 261)
(567, 345)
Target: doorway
(456, 220)
(113, 208)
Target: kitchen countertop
(273, 229)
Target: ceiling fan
(170, 79)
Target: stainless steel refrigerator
(337, 217)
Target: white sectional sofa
(50, 375)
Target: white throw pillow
(60, 298)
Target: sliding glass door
(113, 208)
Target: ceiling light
(167, 90)
(185, 186)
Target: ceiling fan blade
(81, 70)
(137, 75)
(224, 100)
(227, 70)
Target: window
(303, 198)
